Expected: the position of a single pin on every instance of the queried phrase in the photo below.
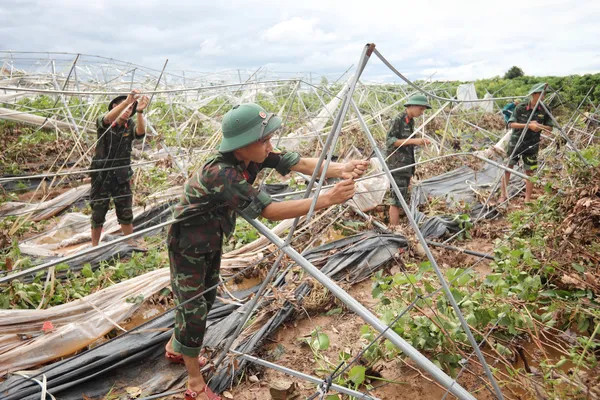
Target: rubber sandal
(178, 359)
(210, 394)
(191, 395)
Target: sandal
(178, 359)
(191, 395)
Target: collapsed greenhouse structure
(109, 341)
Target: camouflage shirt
(402, 128)
(214, 194)
(113, 147)
(521, 115)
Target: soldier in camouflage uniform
(207, 212)
(116, 132)
(528, 149)
(509, 109)
(401, 152)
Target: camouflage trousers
(192, 272)
(403, 182)
(104, 186)
(527, 150)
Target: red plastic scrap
(47, 326)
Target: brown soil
(287, 348)
(36, 156)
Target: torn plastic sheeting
(99, 370)
(74, 228)
(365, 252)
(118, 364)
(153, 216)
(461, 184)
(78, 375)
(371, 192)
(457, 185)
(466, 92)
(21, 185)
(351, 262)
(436, 226)
(77, 323)
(46, 209)
(74, 222)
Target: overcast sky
(454, 39)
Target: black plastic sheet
(137, 359)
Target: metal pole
(337, 126)
(56, 86)
(430, 257)
(148, 107)
(364, 313)
(560, 129)
(77, 87)
(465, 251)
(89, 250)
(132, 77)
(301, 375)
(501, 166)
(576, 112)
(69, 115)
(271, 272)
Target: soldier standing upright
(529, 147)
(401, 150)
(116, 132)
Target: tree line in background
(572, 88)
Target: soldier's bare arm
(349, 170)
(140, 127)
(533, 125)
(113, 114)
(341, 192)
(409, 142)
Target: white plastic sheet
(487, 106)
(466, 92)
(77, 323)
(371, 192)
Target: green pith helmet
(118, 100)
(417, 100)
(537, 88)
(245, 124)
